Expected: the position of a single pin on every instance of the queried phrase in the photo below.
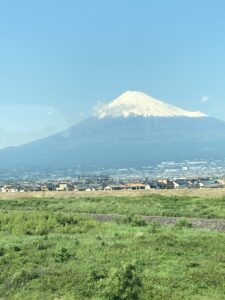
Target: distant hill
(133, 130)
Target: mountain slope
(134, 140)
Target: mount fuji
(133, 130)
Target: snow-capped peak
(140, 104)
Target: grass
(177, 206)
(49, 251)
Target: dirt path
(210, 224)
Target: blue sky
(59, 58)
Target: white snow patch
(140, 104)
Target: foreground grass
(59, 255)
(158, 205)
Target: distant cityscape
(166, 175)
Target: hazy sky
(59, 58)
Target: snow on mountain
(139, 104)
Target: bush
(16, 248)
(121, 284)
(135, 221)
(66, 220)
(96, 275)
(2, 251)
(43, 245)
(183, 223)
(62, 255)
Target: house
(64, 187)
(135, 186)
(61, 186)
(209, 183)
(175, 185)
(82, 187)
(8, 189)
(199, 185)
(115, 187)
(184, 183)
(154, 184)
(44, 188)
(147, 186)
(165, 184)
(108, 188)
(90, 190)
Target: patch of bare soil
(210, 224)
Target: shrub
(96, 275)
(135, 221)
(16, 248)
(121, 284)
(183, 223)
(2, 251)
(62, 255)
(66, 220)
(43, 245)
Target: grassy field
(48, 250)
(206, 193)
(157, 205)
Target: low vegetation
(152, 205)
(48, 250)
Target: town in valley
(166, 175)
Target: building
(8, 189)
(135, 186)
(115, 187)
(64, 187)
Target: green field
(157, 205)
(49, 250)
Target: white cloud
(205, 99)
